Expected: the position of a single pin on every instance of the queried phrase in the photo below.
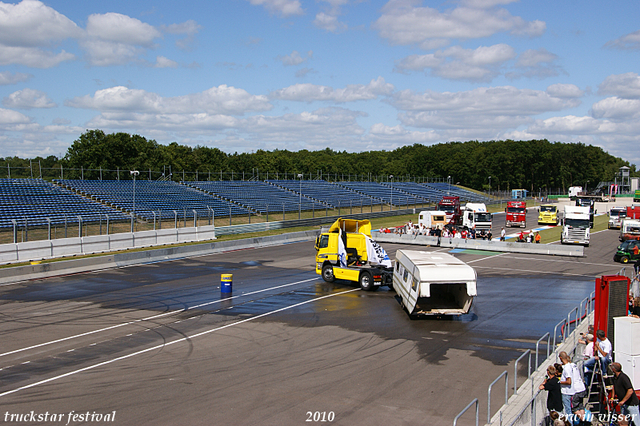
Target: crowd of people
(567, 389)
(446, 232)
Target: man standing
(503, 234)
(572, 386)
(601, 353)
(627, 398)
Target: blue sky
(352, 75)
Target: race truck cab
(575, 226)
(516, 213)
(475, 215)
(629, 230)
(346, 251)
(451, 206)
(590, 203)
(616, 215)
(548, 214)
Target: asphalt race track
(158, 345)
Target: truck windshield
(577, 223)
(447, 209)
(550, 209)
(618, 213)
(483, 217)
(515, 210)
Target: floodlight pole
(134, 173)
(391, 202)
(300, 199)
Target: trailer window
(405, 275)
(398, 266)
(414, 284)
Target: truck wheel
(624, 259)
(327, 273)
(366, 281)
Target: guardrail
(478, 244)
(55, 248)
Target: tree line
(498, 165)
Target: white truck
(574, 191)
(475, 215)
(575, 225)
(432, 283)
(616, 215)
(432, 219)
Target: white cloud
(162, 62)
(621, 85)
(455, 63)
(538, 63)
(629, 41)
(284, 8)
(493, 108)
(190, 28)
(7, 78)
(117, 28)
(217, 100)
(33, 24)
(294, 58)
(616, 109)
(27, 99)
(351, 93)
(329, 23)
(405, 22)
(29, 29)
(564, 91)
(11, 118)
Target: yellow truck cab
(548, 214)
(346, 251)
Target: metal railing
(506, 392)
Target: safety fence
(526, 406)
(82, 245)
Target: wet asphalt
(160, 344)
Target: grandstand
(30, 202)
(259, 196)
(164, 198)
(464, 194)
(335, 196)
(387, 194)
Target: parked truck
(548, 214)
(575, 226)
(574, 191)
(451, 206)
(633, 211)
(590, 203)
(616, 215)
(475, 215)
(431, 283)
(516, 213)
(432, 219)
(346, 251)
(629, 230)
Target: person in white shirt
(601, 351)
(571, 385)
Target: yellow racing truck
(548, 214)
(346, 251)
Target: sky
(350, 75)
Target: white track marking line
(88, 333)
(173, 342)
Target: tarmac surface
(158, 344)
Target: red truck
(451, 206)
(516, 213)
(633, 211)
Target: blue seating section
(387, 194)
(258, 196)
(334, 196)
(415, 189)
(35, 200)
(159, 197)
(464, 194)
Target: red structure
(612, 300)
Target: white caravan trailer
(433, 283)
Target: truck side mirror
(317, 243)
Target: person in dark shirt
(626, 395)
(552, 385)
(635, 311)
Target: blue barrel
(226, 283)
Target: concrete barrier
(108, 261)
(493, 245)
